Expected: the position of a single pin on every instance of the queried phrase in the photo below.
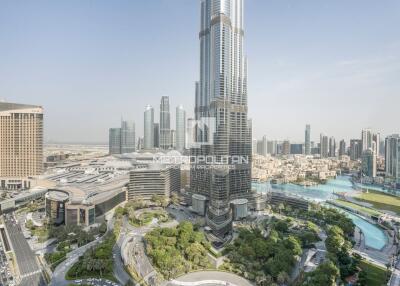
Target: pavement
(209, 278)
(28, 266)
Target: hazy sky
(333, 64)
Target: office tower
(332, 147)
(355, 149)
(324, 146)
(140, 143)
(366, 139)
(180, 128)
(114, 141)
(156, 135)
(368, 163)
(21, 143)
(189, 134)
(262, 146)
(296, 149)
(392, 156)
(376, 141)
(148, 127)
(165, 124)
(173, 138)
(254, 146)
(342, 148)
(221, 93)
(286, 147)
(307, 141)
(128, 139)
(272, 147)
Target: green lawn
(376, 276)
(357, 207)
(381, 200)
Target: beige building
(21, 144)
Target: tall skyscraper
(342, 148)
(286, 147)
(272, 147)
(148, 127)
(355, 149)
(122, 140)
(165, 124)
(368, 163)
(324, 146)
(128, 140)
(21, 143)
(332, 147)
(180, 128)
(156, 135)
(262, 146)
(376, 141)
(366, 139)
(114, 141)
(221, 94)
(392, 157)
(307, 141)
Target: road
(118, 268)
(28, 266)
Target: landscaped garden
(97, 262)
(175, 251)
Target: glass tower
(221, 93)
(180, 128)
(165, 124)
(307, 145)
(149, 128)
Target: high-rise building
(156, 135)
(368, 163)
(392, 156)
(286, 147)
(332, 147)
(376, 141)
(128, 139)
(296, 149)
(122, 140)
(324, 146)
(342, 148)
(262, 146)
(221, 94)
(272, 147)
(173, 139)
(165, 124)
(307, 140)
(180, 128)
(254, 146)
(366, 139)
(355, 149)
(114, 141)
(148, 127)
(21, 143)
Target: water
(374, 236)
(318, 193)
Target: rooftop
(8, 106)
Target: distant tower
(392, 157)
(366, 139)
(149, 127)
(128, 137)
(368, 166)
(165, 124)
(332, 147)
(342, 148)
(286, 147)
(355, 149)
(324, 146)
(180, 128)
(307, 141)
(156, 135)
(114, 142)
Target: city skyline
(289, 81)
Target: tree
(282, 278)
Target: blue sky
(333, 64)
